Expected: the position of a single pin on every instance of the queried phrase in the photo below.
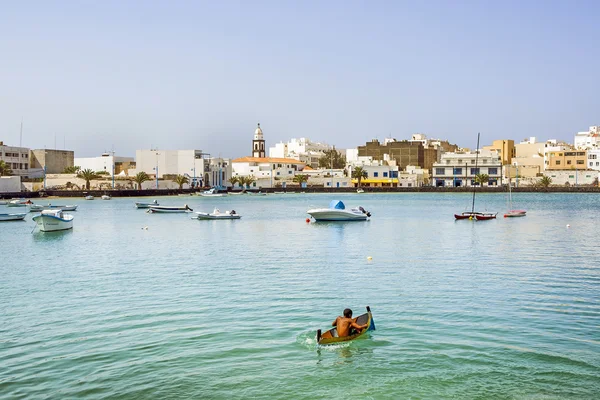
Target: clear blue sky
(193, 74)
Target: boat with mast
(511, 213)
(480, 216)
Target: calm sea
(501, 309)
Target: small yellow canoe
(331, 337)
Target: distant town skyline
(179, 75)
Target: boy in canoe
(345, 323)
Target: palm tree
(87, 175)
(482, 178)
(180, 180)
(247, 181)
(5, 168)
(233, 180)
(359, 173)
(74, 169)
(545, 181)
(300, 179)
(140, 178)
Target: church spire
(258, 144)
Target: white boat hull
(201, 215)
(38, 208)
(145, 205)
(328, 214)
(161, 209)
(12, 217)
(49, 223)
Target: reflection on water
(55, 236)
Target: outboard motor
(364, 211)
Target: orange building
(558, 160)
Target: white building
(114, 165)
(267, 171)
(302, 149)
(17, 158)
(588, 140)
(459, 169)
(572, 177)
(194, 164)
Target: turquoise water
(501, 309)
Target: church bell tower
(258, 143)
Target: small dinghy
(139, 204)
(106, 197)
(53, 220)
(331, 336)
(216, 214)
(12, 217)
(168, 209)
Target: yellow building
(505, 148)
(566, 160)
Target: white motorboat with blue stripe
(53, 220)
(337, 211)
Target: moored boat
(331, 336)
(53, 220)
(89, 197)
(12, 217)
(359, 190)
(18, 203)
(40, 207)
(213, 192)
(216, 214)
(484, 216)
(515, 213)
(140, 204)
(169, 209)
(106, 197)
(337, 212)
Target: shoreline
(174, 192)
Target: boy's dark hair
(348, 313)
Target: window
(580, 162)
(472, 161)
(474, 171)
(591, 163)
(277, 172)
(571, 176)
(410, 184)
(568, 162)
(557, 162)
(440, 171)
(484, 161)
(375, 174)
(492, 171)
(385, 174)
(592, 156)
(289, 172)
(457, 171)
(597, 163)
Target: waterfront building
(588, 140)
(402, 152)
(329, 178)
(113, 165)
(379, 173)
(593, 159)
(554, 146)
(566, 160)
(573, 177)
(199, 167)
(458, 169)
(267, 171)
(50, 161)
(17, 159)
(302, 149)
(505, 148)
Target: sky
(95, 76)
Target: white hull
(213, 194)
(89, 197)
(328, 214)
(161, 209)
(48, 223)
(106, 197)
(38, 208)
(145, 205)
(225, 215)
(12, 217)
